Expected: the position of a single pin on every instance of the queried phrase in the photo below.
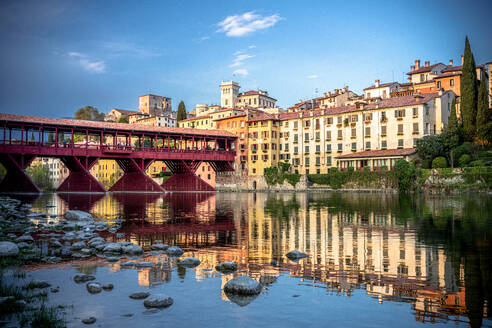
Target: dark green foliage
(477, 163)
(89, 113)
(273, 176)
(46, 317)
(483, 112)
(430, 147)
(464, 160)
(466, 148)
(439, 162)
(181, 115)
(293, 179)
(365, 178)
(469, 92)
(485, 133)
(40, 174)
(405, 174)
(277, 175)
(123, 119)
(278, 207)
(453, 132)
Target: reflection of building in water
(347, 248)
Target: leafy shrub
(464, 160)
(477, 163)
(293, 179)
(439, 162)
(466, 148)
(405, 174)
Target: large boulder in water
(132, 250)
(174, 251)
(295, 255)
(93, 287)
(8, 249)
(112, 248)
(242, 285)
(226, 267)
(189, 262)
(75, 215)
(158, 301)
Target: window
(354, 146)
(368, 145)
(415, 112)
(354, 133)
(415, 142)
(318, 160)
(317, 124)
(383, 130)
(328, 160)
(438, 84)
(340, 147)
(400, 143)
(400, 129)
(426, 128)
(339, 120)
(422, 77)
(306, 161)
(368, 117)
(295, 124)
(353, 118)
(415, 128)
(399, 113)
(328, 148)
(307, 123)
(306, 149)
(339, 134)
(254, 170)
(318, 149)
(368, 131)
(451, 82)
(317, 136)
(286, 147)
(296, 138)
(383, 116)
(328, 135)
(329, 120)
(383, 144)
(296, 150)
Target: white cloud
(247, 23)
(240, 71)
(240, 58)
(93, 66)
(252, 46)
(312, 76)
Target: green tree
(483, 108)
(89, 113)
(430, 147)
(469, 92)
(406, 175)
(40, 175)
(123, 119)
(181, 111)
(453, 125)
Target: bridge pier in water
(80, 179)
(184, 177)
(16, 179)
(134, 177)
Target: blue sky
(58, 56)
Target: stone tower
(228, 94)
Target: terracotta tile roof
(452, 69)
(380, 153)
(249, 93)
(288, 116)
(111, 126)
(403, 101)
(448, 75)
(383, 85)
(262, 117)
(424, 69)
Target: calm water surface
(375, 259)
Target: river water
(374, 259)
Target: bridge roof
(60, 122)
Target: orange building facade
(237, 125)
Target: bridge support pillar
(134, 178)
(16, 179)
(80, 179)
(184, 177)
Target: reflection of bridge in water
(80, 144)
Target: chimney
(450, 62)
(427, 63)
(376, 83)
(417, 64)
(325, 94)
(412, 68)
(462, 58)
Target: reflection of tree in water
(278, 207)
(466, 238)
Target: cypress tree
(181, 111)
(483, 105)
(469, 92)
(453, 120)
